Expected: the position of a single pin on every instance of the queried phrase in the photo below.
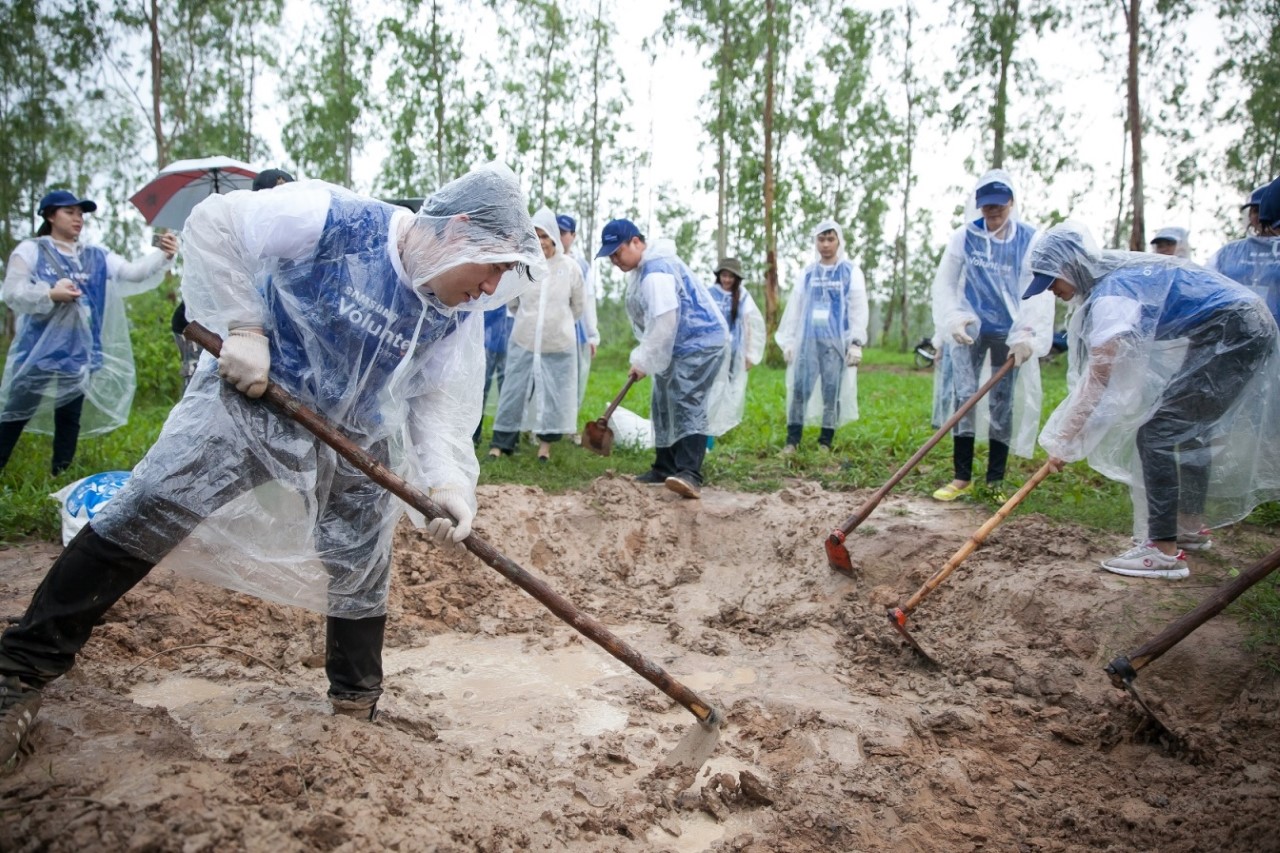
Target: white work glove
(788, 354)
(1021, 351)
(959, 331)
(445, 532)
(245, 361)
(853, 355)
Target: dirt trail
(504, 730)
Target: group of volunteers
(393, 323)
(1173, 377)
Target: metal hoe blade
(898, 619)
(1123, 675)
(837, 554)
(698, 743)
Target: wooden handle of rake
(1125, 668)
(874, 501)
(979, 536)
(508, 568)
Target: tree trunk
(722, 236)
(770, 241)
(594, 180)
(999, 113)
(905, 251)
(1137, 237)
(441, 179)
(157, 80)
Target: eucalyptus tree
(537, 88)
(327, 92)
(434, 114)
(1247, 64)
(200, 62)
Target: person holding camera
(71, 341)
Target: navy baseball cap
(995, 192)
(1269, 204)
(269, 178)
(65, 198)
(615, 233)
(565, 223)
(1255, 198)
(1040, 282)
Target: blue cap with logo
(996, 192)
(65, 198)
(565, 222)
(615, 233)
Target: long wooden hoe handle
(874, 501)
(979, 536)
(508, 568)
(608, 413)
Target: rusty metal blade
(898, 619)
(698, 743)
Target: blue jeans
(818, 361)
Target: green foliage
(327, 88)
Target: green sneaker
(18, 706)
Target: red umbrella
(167, 201)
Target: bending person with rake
(1174, 380)
(369, 315)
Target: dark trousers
(968, 361)
(683, 458)
(25, 396)
(1174, 445)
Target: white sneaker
(1200, 541)
(1148, 561)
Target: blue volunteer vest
(1255, 263)
(827, 301)
(58, 342)
(701, 325)
(991, 270)
(1194, 295)
(343, 319)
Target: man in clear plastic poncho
(370, 315)
(683, 344)
(540, 388)
(821, 334)
(1173, 389)
(981, 322)
(70, 371)
(1255, 260)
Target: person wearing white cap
(71, 343)
(1172, 241)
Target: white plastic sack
(82, 499)
(631, 430)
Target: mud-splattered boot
(18, 706)
(358, 708)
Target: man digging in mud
(367, 313)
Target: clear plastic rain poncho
(1173, 384)
(746, 344)
(979, 284)
(61, 350)
(826, 313)
(341, 285)
(1255, 263)
(683, 342)
(540, 385)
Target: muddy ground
(504, 730)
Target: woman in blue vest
(363, 311)
(1174, 382)
(980, 321)
(71, 343)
